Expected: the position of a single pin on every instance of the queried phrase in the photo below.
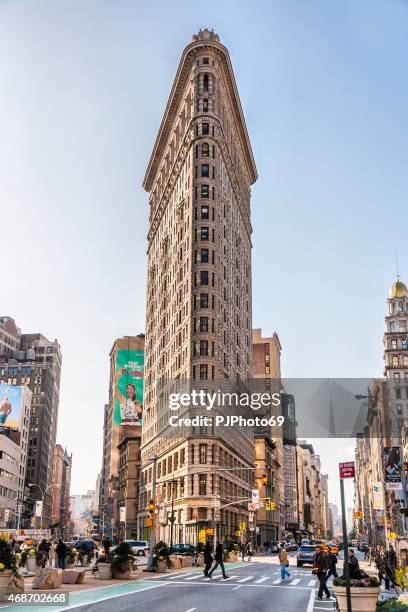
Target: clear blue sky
(324, 87)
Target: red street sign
(347, 469)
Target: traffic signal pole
(150, 565)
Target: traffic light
(264, 480)
(151, 504)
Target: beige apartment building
(199, 303)
(269, 441)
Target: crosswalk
(297, 579)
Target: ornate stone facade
(199, 311)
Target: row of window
(8, 475)
(8, 458)
(9, 493)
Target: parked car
(274, 547)
(139, 547)
(184, 549)
(89, 544)
(305, 554)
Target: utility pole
(347, 470)
(150, 564)
(172, 518)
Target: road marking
(261, 579)
(230, 578)
(311, 583)
(310, 605)
(296, 581)
(235, 588)
(191, 609)
(245, 579)
(216, 577)
(277, 581)
(184, 574)
(193, 577)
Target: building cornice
(179, 84)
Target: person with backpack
(320, 570)
(331, 563)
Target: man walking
(284, 563)
(331, 562)
(319, 569)
(208, 558)
(106, 546)
(61, 551)
(218, 561)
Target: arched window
(205, 149)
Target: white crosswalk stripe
(295, 581)
(245, 579)
(195, 576)
(230, 578)
(311, 583)
(261, 579)
(182, 575)
(277, 581)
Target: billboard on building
(128, 400)
(11, 405)
(378, 496)
(392, 462)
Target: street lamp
(43, 494)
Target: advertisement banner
(122, 514)
(128, 400)
(38, 508)
(378, 496)
(11, 405)
(392, 462)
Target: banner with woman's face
(128, 399)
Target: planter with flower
(28, 558)
(102, 568)
(72, 558)
(161, 557)
(84, 557)
(233, 551)
(123, 562)
(364, 593)
(8, 567)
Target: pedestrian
(44, 548)
(218, 561)
(106, 543)
(320, 570)
(208, 558)
(354, 567)
(249, 550)
(243, 550)
(61, 551)
(331, 562)
(284, 563)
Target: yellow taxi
(334, 548)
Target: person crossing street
(320, 570)
(284, 563)
(218, 561)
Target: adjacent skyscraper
(35, 361)
(199, 311)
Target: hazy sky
(84, 84)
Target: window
(203, 277)
(204, 256)
(205, 105)
(205, 212)
(203, 371)
(203, 348)
(393, 343)
(205, 191)
(205, 82)
(203, 324)
(405, 361)
(205, 129)
(203, 453)
(205, 149)
(206, 60)
(204, 233)
(202, 482)
(205, 170)
(398, 393)
(203, 300)
(404, 344)
(394, 362)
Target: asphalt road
(254, 586)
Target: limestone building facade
(199, 310)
